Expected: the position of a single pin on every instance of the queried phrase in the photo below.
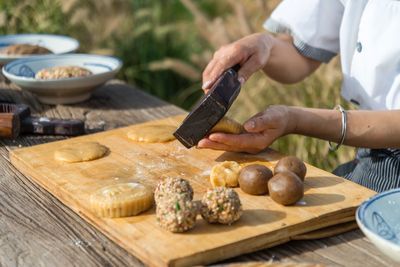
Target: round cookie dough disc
(152, 133)
(80, 152)
(121, 200)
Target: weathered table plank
(37, 230)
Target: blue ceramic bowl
(58, 44)
(379, 219)
(62, 91)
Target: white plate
(58, 44)
(62, 91)
(379, 219)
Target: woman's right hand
(251, 52)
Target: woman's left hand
(262, 130)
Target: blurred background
(165, 44)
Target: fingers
(216, 68)
(249, 68)
(251, 52)
(248, 142)
(223, 59)
(251, 143)
(207, 143)
(207, 81)
(258, 123)
(218, 146)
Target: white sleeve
(313, 24)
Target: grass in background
(166, 44)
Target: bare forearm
(371, 129)
(286, 64)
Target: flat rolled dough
(153, 133)
(104, 170)
(79, 152)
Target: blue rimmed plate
(379, 219)
(62, 91)
(58, 44)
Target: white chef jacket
(365, 32)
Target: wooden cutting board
(328, 200)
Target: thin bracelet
(344, 128)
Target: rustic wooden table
(38, 230)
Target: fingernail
(250, 125)
(206, 84)
(241, 80)
(212, 137)
(199, 143)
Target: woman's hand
(251, 52)
(262, 130)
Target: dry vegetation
(166, 44)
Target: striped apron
(377, 169)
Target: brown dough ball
(253, 179)
(291, 164)
(286, 188)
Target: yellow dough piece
(227, 125)
(153, 133)
(121, 200)
(225, 174)
(78, 152)
(160, 133)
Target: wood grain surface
(38, 230)
(328, 199)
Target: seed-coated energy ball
(177, 214)
(221, 205)
(173, 186)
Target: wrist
(269, 42)
(292, 120)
